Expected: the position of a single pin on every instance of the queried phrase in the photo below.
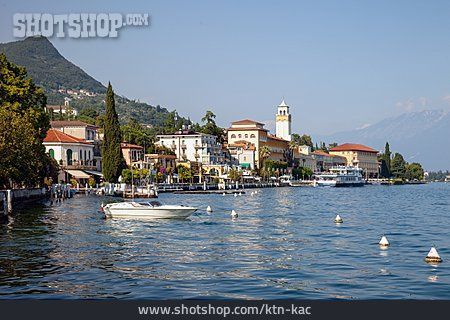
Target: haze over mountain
(421, 136)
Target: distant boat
(341, 176)
(146, 210)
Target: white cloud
(366, 125)
(405, 106)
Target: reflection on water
(283, 245)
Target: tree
(210, 126)
(304, 140)
(112, 156)
(414, 171)
(398, 166)
(234, 174)
(264, 153)
(387, 160)
(23, 127)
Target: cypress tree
(112, 157)
(387, 160)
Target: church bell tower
(283, 122)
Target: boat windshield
(155, 203)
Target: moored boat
(147, 210)
(341, 176)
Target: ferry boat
(340, 176)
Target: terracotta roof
(247, 129)
(353, 147)
(322, 153)
(54, 135)
(161, 156)
(276, 138)
(247, 121)
(70, 123)
(125, 145)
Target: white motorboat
(341, 176)
(146, 210)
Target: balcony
(78, 164)
(183, 146)
(173, 147)
(198, 146)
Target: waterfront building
(253, 133)
(360, 156)
(305, 158)
(242, 153)
(325, 161)
(84, 131)
(74, 155)
(193, 146)
(133, 155)
(283, 122)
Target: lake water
(284, 245)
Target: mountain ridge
(420, 136)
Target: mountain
(50, 70)
(420, 136)
(47, 67)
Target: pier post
(9, 196)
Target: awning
(245, 165)
(95, 173)
(78, 174)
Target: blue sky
(339, 64)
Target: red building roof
(54, 135)
(247, 121)
(353, 147)
(125, 145)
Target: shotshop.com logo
(74, 25)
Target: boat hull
(149, 213)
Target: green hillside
(50, 70)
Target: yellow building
(360, 156)
(256, 135)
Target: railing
(183, 146)
(77, 164)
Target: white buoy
(234, 214)
(384, 242)
(235, 194)
(338, 219)
(208, 209)
(240, 193)
(223, 194)
(256, 191)
(433, 256)
(252, 193)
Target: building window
(89, 153)
(252, 136)
(81, 155)
(85, 158)
(51, 152)
(69, 157)
(240, 135)
(246, 135)
(233, 136)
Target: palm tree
(264, 153)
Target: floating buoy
(208, 209)
(384, 242)
(235, 194)
(240, 193)
(338, 219)
(252, 193)
(256, 191)
(433, 256)
(223, 194)
(234, 214)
